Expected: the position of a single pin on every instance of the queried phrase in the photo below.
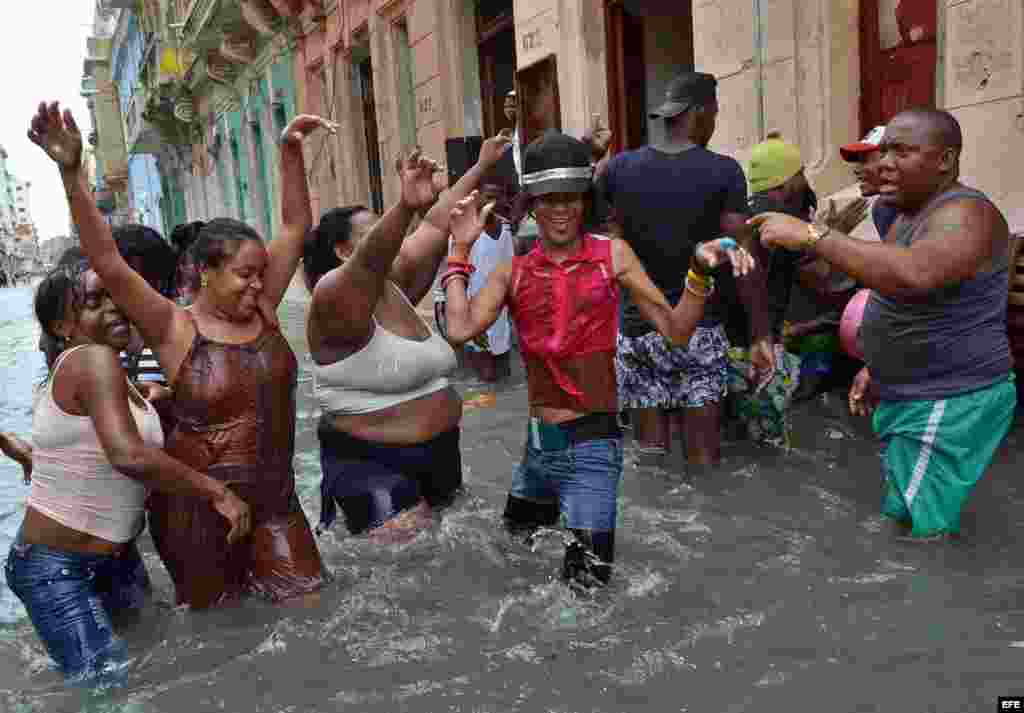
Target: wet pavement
(768, 586)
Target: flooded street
(770, 587)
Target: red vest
(567, 318)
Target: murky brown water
(767, 588)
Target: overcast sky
(42, 46)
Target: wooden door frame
(485, 32)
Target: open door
(496, 46)
(539, 106)
(898, 58)
(626, 77)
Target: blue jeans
(583, 479)
(71, 598)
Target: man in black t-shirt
(666, 199)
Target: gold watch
(814, 234)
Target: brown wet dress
(234, 413)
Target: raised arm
(285, 250)
(465, 318)
(344, 299)
(679, 323)
(103, 394)
(60, 138)
(421, 254)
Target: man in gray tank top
(939, 376)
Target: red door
(898, 58)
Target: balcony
(140, 136)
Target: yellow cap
(772, 163)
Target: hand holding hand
(57, 135)
(154, 392)
(778, 230)
(714, 253)
(467, 222)
(302, 126)
(863, 398)
(235, 511)
(416, 172)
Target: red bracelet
(449, 276)
(455, 262)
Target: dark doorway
(496, 40)
(370, 129)
(647, 45)
(898, 58)
(539, 105)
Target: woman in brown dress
(233, 377)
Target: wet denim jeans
(583, 479)
(71, 599)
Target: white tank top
(389, 370)
(73, 481)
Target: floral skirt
(766, 413)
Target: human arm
(959, 239)
(466, 319)
(345, 298)
(863, 396)
(102, 394)
(285, 250)
(59, 137)
(679, 323)
(18, 450)
(420, 255)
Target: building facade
(433, 73)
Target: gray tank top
(951, 343)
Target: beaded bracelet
(691, 287)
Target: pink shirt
(73, 481)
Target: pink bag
(849, 325)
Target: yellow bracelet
(705, 281)
(691, 288)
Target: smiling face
(93, 318)
(559, 217)
(235, 285)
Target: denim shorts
(583, 479)
(71, 599)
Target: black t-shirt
(666, 204)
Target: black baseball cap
(687, 90)
(556, 163)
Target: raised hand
(495, 147)
(57, 135)
(714, 253)
(468, 221)
(235, 511)
(416, 172)
(302, 126)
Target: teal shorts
(936, 451)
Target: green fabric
(765, 415)
(936, 451)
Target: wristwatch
(815, 233)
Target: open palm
(57, 135)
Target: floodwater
(770, 586)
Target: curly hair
(219, 240)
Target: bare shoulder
(969, 217)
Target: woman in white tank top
(97, 452)
(389, 433)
